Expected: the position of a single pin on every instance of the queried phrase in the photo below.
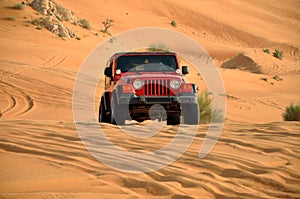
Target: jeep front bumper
(189, 98)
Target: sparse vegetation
(266, 51)
(78, 38)
(63, 12)
(59, 9)
(85, 23)
(41, 22)
(292, 112)
(264, 79)
(173, 23)
(107, 24)
(10, 18)
(45, 21)
(19, 6)
(35, 21)
(61, 34)
(53, 16)
(278, 54)
(207, 114)
(277, 78)
(159, 47)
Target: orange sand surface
(257, 156)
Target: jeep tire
(173, 119)
(103, 116)
(117, 113)
(191, 114)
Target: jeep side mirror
(108, 72)
(185, 70)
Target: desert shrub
(173, 23)
(63, 12)
(207, 114)
(278, 54)
(19, 6)
(35, 22)
(85, 23)
(266, 51)
(10, 18)
(59, 9)
(292, 112)
(277, 78)
(61, 34)
(264, 79)
(78, 38)
(41, 22)
(159, 47)
(107, 24)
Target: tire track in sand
(18, 97)
(252, 167)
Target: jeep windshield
(147, 63)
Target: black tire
(173, 119)
(103, 114)
(117, 113)
(191, 114)
(139, 120)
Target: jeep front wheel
(173, 119)
(103, 116)
(191, 114)
(118, 115)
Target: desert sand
(257, 155)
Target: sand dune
(257, 155)
(252, 160)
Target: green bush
(19, 6)
(10, 18)
(292, 113)
(35, 22)
(59, 9)
(61, 34)
(278, 54)
(85, 24)
(266, 51)
(159, 47)
(45, 21)
(173, 23)
(63, 12)
(207, 114)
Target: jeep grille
(157, 87)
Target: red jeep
(147, 85)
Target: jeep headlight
(137, 84)
(175, 84)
